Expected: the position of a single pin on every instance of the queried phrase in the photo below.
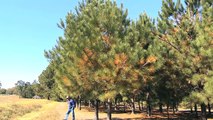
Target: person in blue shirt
(71, 108)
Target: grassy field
(15, 108)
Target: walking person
(71, 108)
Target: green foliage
(86, 53)
(24, 89)
(104, 54)
(3, 91)
(12, 91)
(186, 35)
(47, 86)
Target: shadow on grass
(156, 115)
(182, 115)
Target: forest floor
(15, 108)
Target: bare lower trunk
(109, 110)
(161, 107)
(173, 107)
(124, 106)
(48, 97)
(168, 111)
(176, 107)
(79, 103)
(148, 104)
(203, 111)
(89, 104)
(116, 105)
(96, 109)
(196, 114)
(139, 105)
(209, 108)
(149, 110)
(133, 106)
(79, 106)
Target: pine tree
(143, 60)
(102, 54)
(84, 57)
(185, 34)
(202, 79)
(48, 86)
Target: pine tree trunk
(133, 105)
(109, 110)
(142, 105)
(209, 108)
(96, 109)
(79, 103)
(89, 104)
(139, 105)
(48, 97)
(124, 106)
(167, 110)
(148, 104)
(201, 106)
(203, 111)
(160, 107)
(176, 107)
(116, 105)
(149, 110)
(195, 107)
(173, 107)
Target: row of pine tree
(106, 57)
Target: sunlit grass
(35, 115)
(12, 107)
(9, 111)
(15, 108)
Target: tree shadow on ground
(156, 115)
(182, 115)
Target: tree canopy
(103, 54)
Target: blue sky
(28, 27)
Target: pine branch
(171, 44)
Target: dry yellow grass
(12, 107)
(15, 108)
(41, 113)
